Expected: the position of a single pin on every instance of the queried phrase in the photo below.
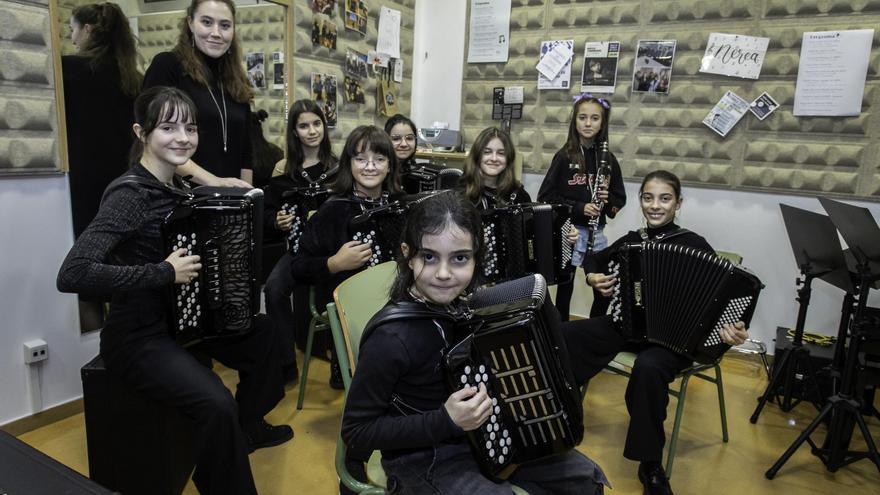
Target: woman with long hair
(489, 178)
(206, 65)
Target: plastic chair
(319, 323)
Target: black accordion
(382, 228)
(514, 346)
(300, 202)
(680, 297)
(429, 178)
(223, 226)
(528, 238)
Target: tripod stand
(843, 409)
(819, 255)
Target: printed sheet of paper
(726, 113)
(562, 53)
(489, 34)
(599, 74)
(734, 55)
(832, 71)
(389, 32)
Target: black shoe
(291, 374)
(654, 479)
(261, 434)
(336, 382)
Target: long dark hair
(265, 154)
(235, 81)
(156, 105)
(663, 176)
(366, 138)
(110, 41)
(472, 178)
(429, 217)
(295, 153)
(573, 142)
(401, 119)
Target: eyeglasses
(409, 138)
(378, 161)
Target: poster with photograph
(353, 90)
(734, 55)
(726, 113)
(355, 63)
(324, 94)
(256, 69)
(554, 68)
(356, 13)
(324, 32)
(652, 70)
(277, 70)
(322, 6)
(763, 106)
(599, 74)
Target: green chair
(624, 361)
(319, 323)
(356, 301)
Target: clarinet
(603, 175)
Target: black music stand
(818, 254)
(843, 409)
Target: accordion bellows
(680, 297)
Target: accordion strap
(134, 179)
(643, 233)
(403, 310)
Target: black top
(166, 70)
(99, 117)
(122, 253)
(489, 199)
(566, 184)
(278, 185)
(400, 359)
(598, 263)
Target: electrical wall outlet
(35, 351)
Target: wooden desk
(454, 159)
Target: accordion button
(504, 450)
(488, 445)
(497, 410)
(486, 377)
(501, 459)
(492, 436)
(491, 452)
(504, 433)
(482, 368)
(467, 370)
(463, 378)
(493, 418)
(494, 401)
(478, 378)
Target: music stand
(862, 235)
(818, 254)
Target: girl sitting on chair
(399, 402)
(595, 342)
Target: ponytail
(110, 41)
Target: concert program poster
(726, 113)
(652, 69)
(554, 67)
(599, 74)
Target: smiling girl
(122, 253)
(206, 65)
(489, 178)
(399, 402)
(594, 342)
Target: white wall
(749, 224)
(438, 54)
(37, 233)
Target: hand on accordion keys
(186, 267)
(283, 220)
(572, 236)
(602, 283)
(351, 256)
(734, 334)
(469, 407)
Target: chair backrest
(729, 256)
(358, 298)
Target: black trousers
(563, 300)
(158, 367)
(291, 322)
(592, 344)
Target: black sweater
(566, 184)
(489, 198)
(402, 359)
(122, 253)
(166, 70)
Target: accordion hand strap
(643, 233)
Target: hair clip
(602, 101)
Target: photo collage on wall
(653, 66)
(356, 13)
(355, 71)
(324, 94)
(324, 32)
(256, 69)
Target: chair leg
(679, 413)
(720, 384)
(306, 359)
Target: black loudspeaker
(135, 446)
(820, 357)
(27, 471)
